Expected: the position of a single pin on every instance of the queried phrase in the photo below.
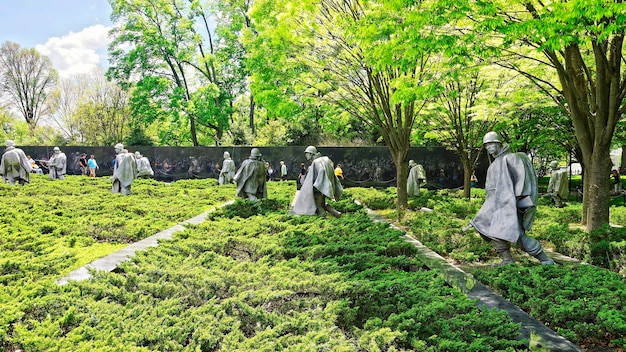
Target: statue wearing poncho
(14, 165)
(124, 171)
(320, 183)
(510, 202)
(417, 176)
(250, 177)
(228, 170)
(510, 184)
(558, 189)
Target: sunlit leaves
(169, 40)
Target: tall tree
(104, 113)
(66, 98)
(164, 49)
(582, 42)
(456, 123)
(364, 56)
(233, 22)
(27, 78)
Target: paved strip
(538, 335)
(111, 261)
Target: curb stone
(111, 261)
(540, 337)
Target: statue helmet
(226, 155)
(56, 149)
(255, 152)
(492, 137)
(10, 143)
(119, 146)
(310, 149)
(554, 164)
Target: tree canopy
(27, 78)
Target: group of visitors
(89, 166)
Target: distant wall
(362, 166)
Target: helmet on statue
(492, 137)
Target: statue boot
(544, 259)
(332, 211)
(506, 258)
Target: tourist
(92, 165)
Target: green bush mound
(254, 277)
(49, 228)
(585, 304)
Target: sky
(72, 33)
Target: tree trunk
(400, 153)
(402, 170)
(622, 166)
(467, 175)
(192, 130)
(251, 114)
(596, 197)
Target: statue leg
(125, 190)
(504, 249)
(533, 247)
(332, 211)
(320, 203)
(115, 187)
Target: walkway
(111, 261)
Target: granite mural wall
(362, 166)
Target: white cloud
(77, 52)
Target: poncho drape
(321, 177)
(15, 164)
(250, 178)
(511, 185)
